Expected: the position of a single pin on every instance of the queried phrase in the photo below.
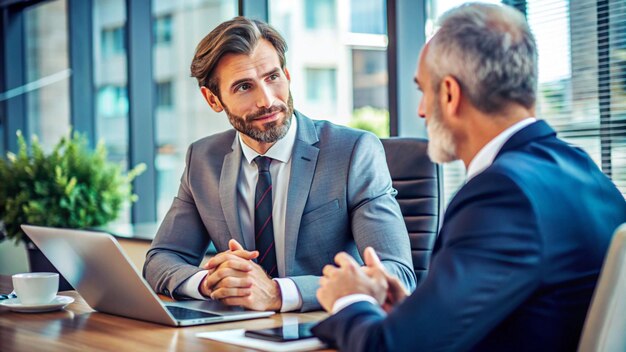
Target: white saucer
(57, 303)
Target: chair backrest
(420, 192)
(605, 326)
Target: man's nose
(421, 111)
(265, 97)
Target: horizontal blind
(582, 76)
(582, 79)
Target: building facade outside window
(320, 14)
(111, 81)
(112, 101)
(162, 30)
(164, 95)
(365, 17)
(321, 85)
(338, 65)
(113, 41)
(110, 77)
(181, 115)
(47, 72)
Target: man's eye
(244, 87)
(274, 76)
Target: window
(47, 71)
(112, 101)
(579, 85)
(370, 99)
(582, 55)
(110, 80)
(113, 41)
(164, 98)
(42, 76)
(338, 75)
(181, 115)
(321, 85)
(369, 78)
(162, 30)
(340, 45)
(320, 14)
(365, 16)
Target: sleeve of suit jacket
(180, 243)
(487, 265)
(375, 217)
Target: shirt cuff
(290, 294)
(191, 286)
(345, 301)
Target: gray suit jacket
(340, 198)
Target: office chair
(420, 195)
(605, 326)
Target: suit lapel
(228, 191)
(303, 164)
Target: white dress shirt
(481, 161)
(280, 170)
(484, 158)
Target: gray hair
(490, 51)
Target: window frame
(405, 30)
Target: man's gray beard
(441, 144)
(274, 130)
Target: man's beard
(272, 131)
(441, 145)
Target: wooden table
(80, 328)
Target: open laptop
(96, 266)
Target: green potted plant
(72, 187)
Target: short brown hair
(240, 36)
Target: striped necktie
(263, 228)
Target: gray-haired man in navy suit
(522, 242)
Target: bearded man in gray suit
(328, 188)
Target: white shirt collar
(281, 150)
(484, 157)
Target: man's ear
(450, 95)
(287, 73)
(212, 99)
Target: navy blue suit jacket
(515, 263)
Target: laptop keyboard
(184, 313)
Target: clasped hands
(236, 280)
(348, 277)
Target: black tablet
(289, 332)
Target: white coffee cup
(36, 288)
